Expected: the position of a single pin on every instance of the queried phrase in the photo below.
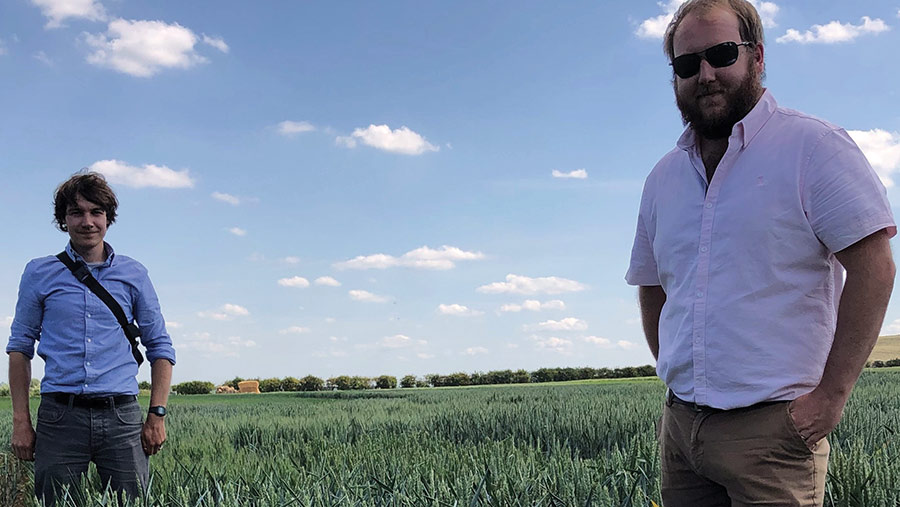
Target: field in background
(887, 348)
(549, 445)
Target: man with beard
(744, 231)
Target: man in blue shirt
(88, 410)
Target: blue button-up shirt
(81, 342)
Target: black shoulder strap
(83, 274)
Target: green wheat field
(577, 444)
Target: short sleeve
(844, 199)
(642, 269)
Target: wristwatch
(158, 410)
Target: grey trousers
(69, 437)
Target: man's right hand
(23, 441)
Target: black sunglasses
(720, 55)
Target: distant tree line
(883, 364)
(355, 383)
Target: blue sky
(386, 187)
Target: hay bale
(225, 389)
(249, 386)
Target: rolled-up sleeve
(153, 326)
(25, 330)
(845, 200)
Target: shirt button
(704, 249)
(85, 385)
(88, 363)
(708, 205)
(89, 315)
(89, 340)
(699, 293)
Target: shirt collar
(744, 130)
(110, 254)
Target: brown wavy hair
(91, 186)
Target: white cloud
(330, 320)
(227, 311)
(627, 345)
(566, 324)
(228, 198)
(237, 231)
(289, 128)
(402, 140)
(294, 330)
(171, 324)
(596, 340)
(207, 346)
(892, 328)
(533, 305)
(143, 48)
(148, 175)
(517, 284)
(458, 310)
(8, 320)
(835, 32)
(399, 341)
(327, 281)
(3, 49)
(420, 258)
(554, 344)
(425, 355)
(39, 56)
(882, 148)
(655, 27)
(291, 260)
(216, 42)
(363, 295)
(58, 11)
(578, 174)
(476, 351)
(294, 281)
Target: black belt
(80, 400)
(671, 398)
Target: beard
(738, 102)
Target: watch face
(160, 411)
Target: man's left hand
(153, 435)
(815, 415)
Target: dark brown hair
(91, 186)
(748, 20)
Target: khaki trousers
(735, 458)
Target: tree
(234, 382)
(458, 379)
(310, 383)
(360, 383)
(290, 384)
(269, 385)
(342, 382)
(521, 377)
(194, 387)
(144, 385)
(386, 382)
(408, 381)
(434, 380)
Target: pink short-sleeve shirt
(747, 261)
